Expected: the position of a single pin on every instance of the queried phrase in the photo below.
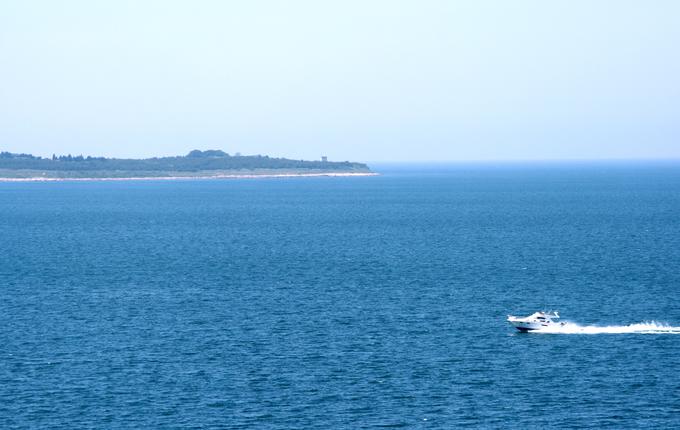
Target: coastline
(185, 178)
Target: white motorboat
(535, 321)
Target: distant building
(324, 159)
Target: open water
(319, 303)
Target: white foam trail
(651, 327)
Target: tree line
(196, 160)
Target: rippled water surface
(323, 303)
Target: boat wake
(651, 327)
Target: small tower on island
(324, 159)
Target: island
(210, 164)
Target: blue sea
(344, 303)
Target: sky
(367, 80)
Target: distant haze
(352, 80)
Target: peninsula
(196, 164)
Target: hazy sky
(361, 80)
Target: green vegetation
(196, 163)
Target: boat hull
(527, 326)
(535, 321)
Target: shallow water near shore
(358, 302)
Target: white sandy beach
(173, 178)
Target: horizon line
(405, 162)
(525, 161)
